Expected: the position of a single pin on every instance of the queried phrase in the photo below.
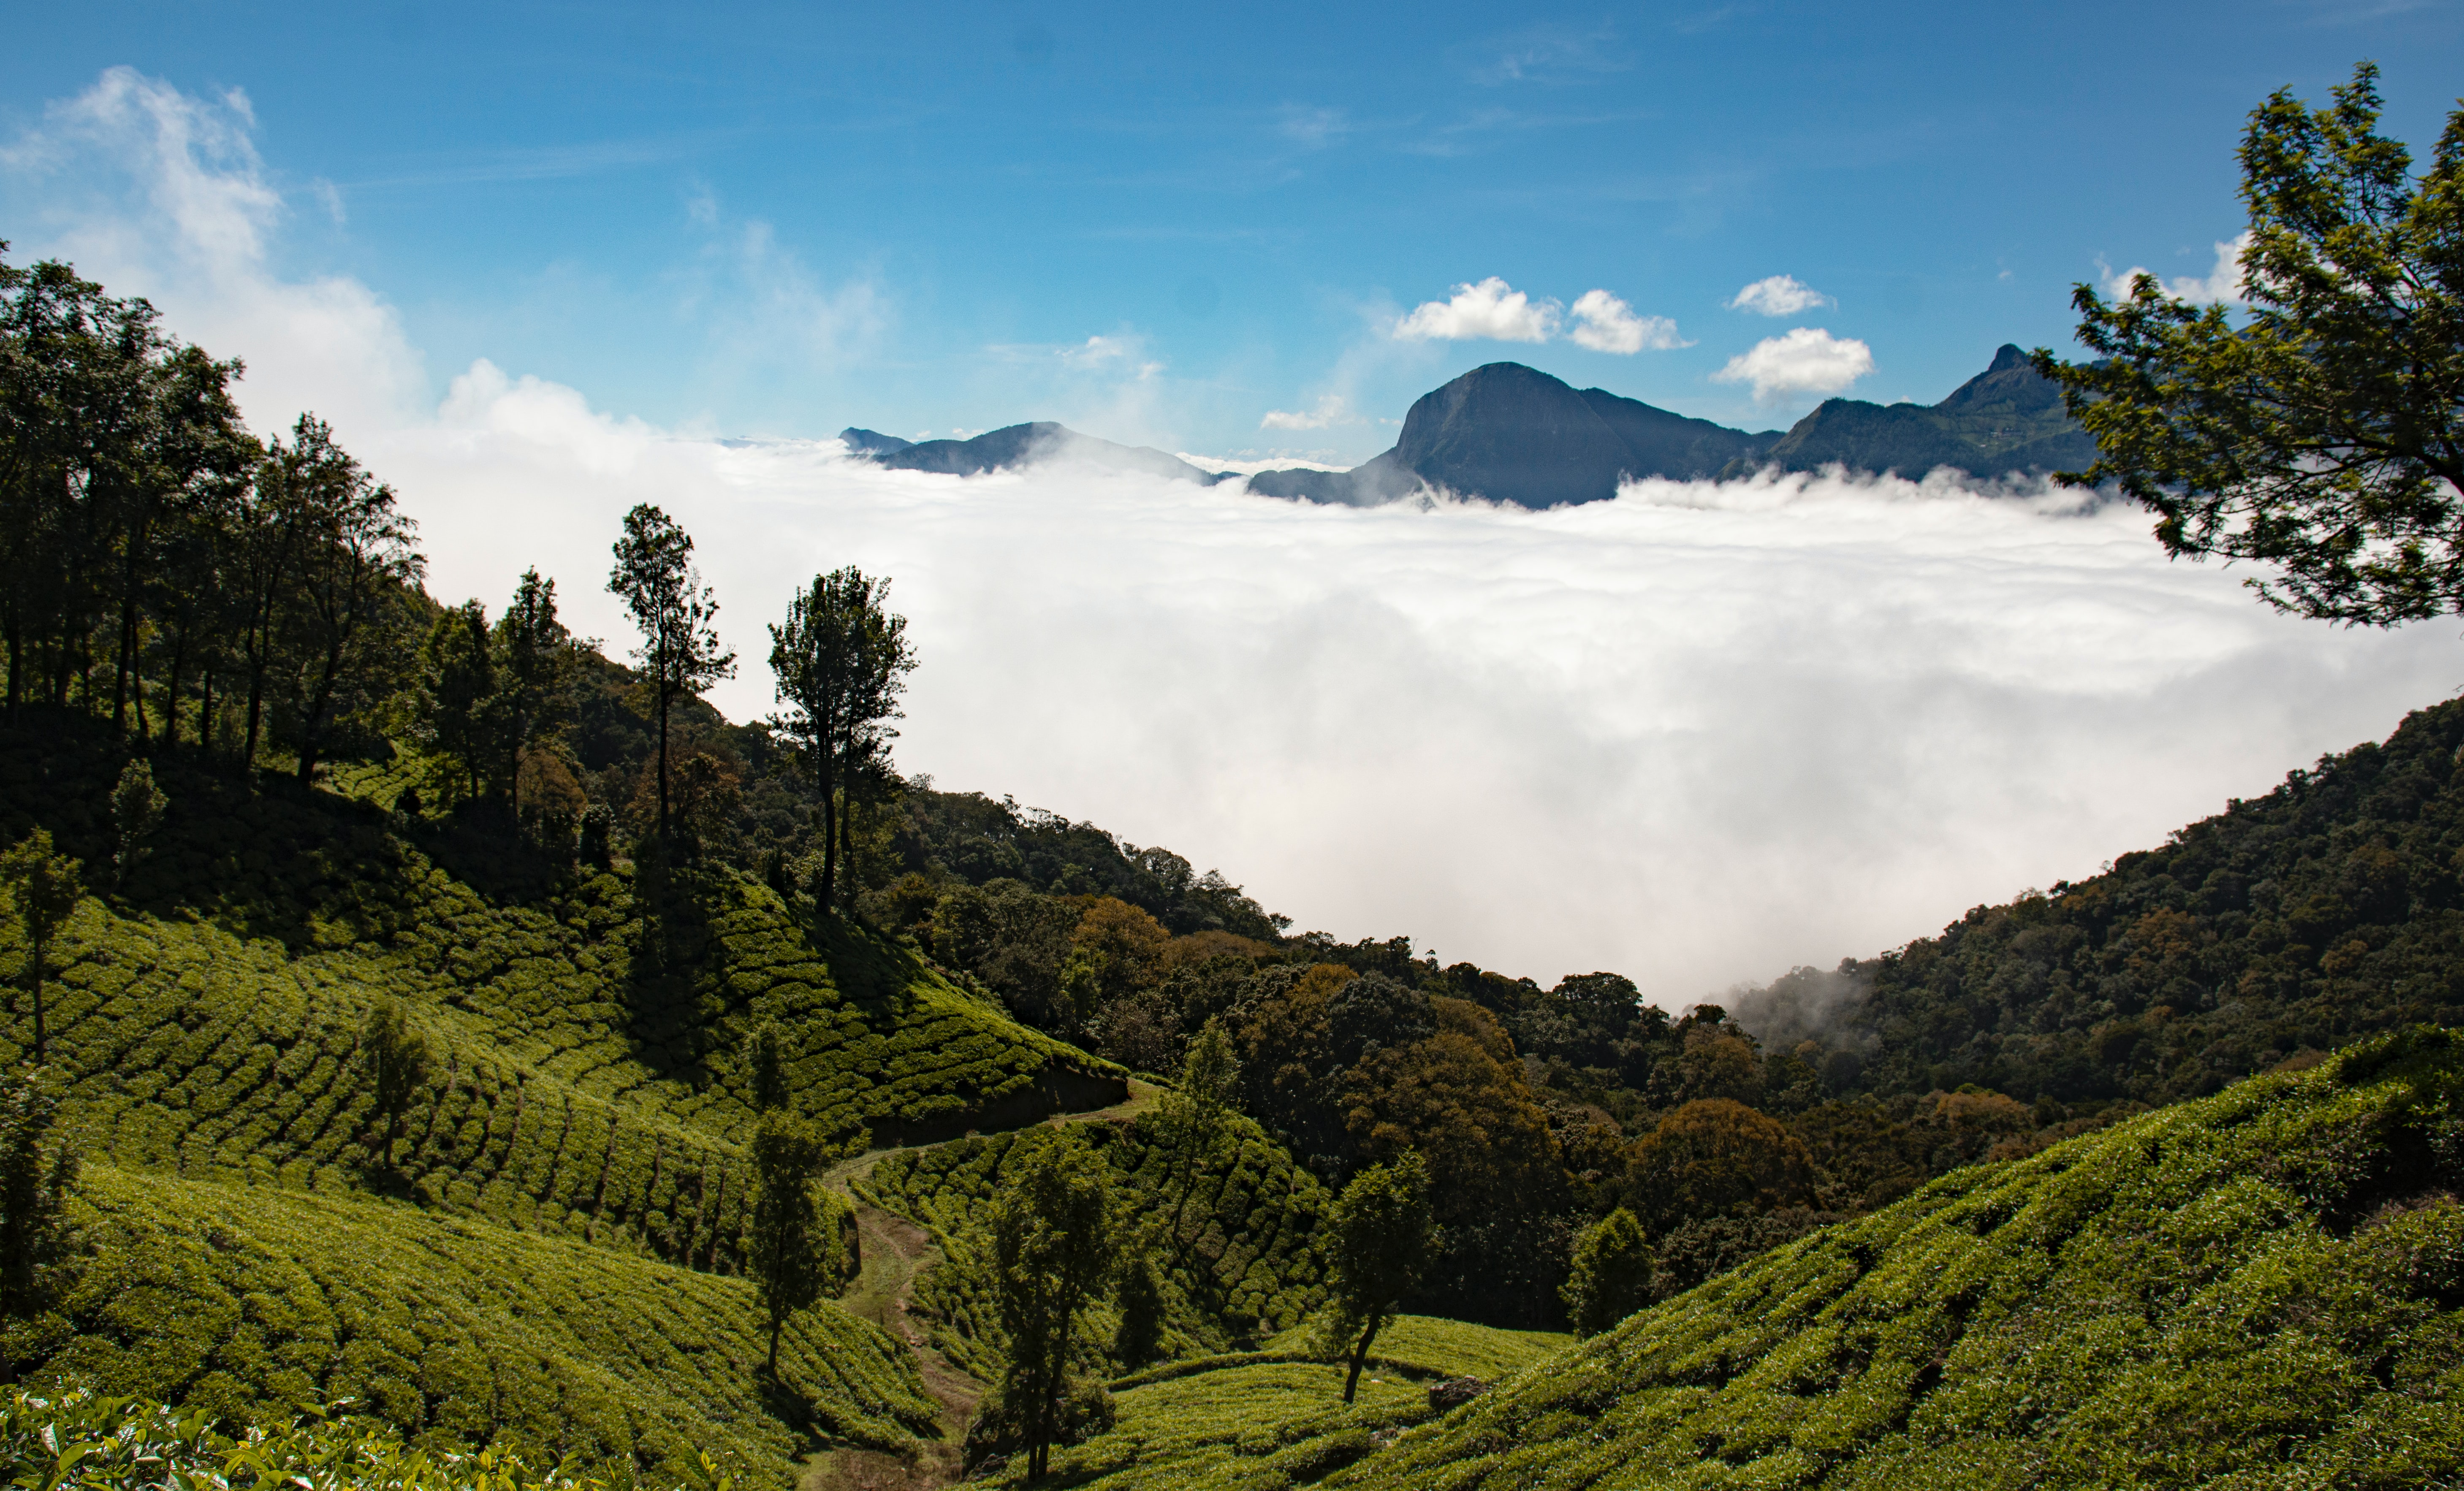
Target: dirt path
(894, 1251)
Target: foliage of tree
(1056, 1241)
(398, 1063)
(458, 704)
(1195, 1118)
(1715, 1157)
(38, 1165)
(44, 889)
(536, 663)
(2322, 436)
(136, 812)
(674, 612)
(842, 659)
(1383, 1234)
(1611, 1276)
(796, 1250)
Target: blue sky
(1163, 225)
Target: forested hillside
(2327, 910)
(2265, 1287)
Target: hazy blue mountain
(871, 442)
(1026, 444)
(2008, 418)
(1515, 434)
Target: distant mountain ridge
(1515, 434)
(1020, 445)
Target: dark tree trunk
(1360, 1354)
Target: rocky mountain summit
(1513, 434)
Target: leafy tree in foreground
(2324, 437)
(1612, 1274)
(36, 1171)
(1055, 1242)
(1383, 1235)
(397, 1062)
(841, 658)
(44, 889)
(136, 811)
(674, 611)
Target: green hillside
(567, 1203)
(246, 1302)
(1274, 1418)
(1252, 1269)
(2264, 1287)
(2329, 909)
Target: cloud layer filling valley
(1696, 735)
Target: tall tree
(350, 584)
(539, 661)
(1197, 1116)
(1612, 1274)
(674, 612)
(1383, 1236)
(44, 889)
(2322, 437)
(136, 811)
(1056, 1240)
(841, 660)
(459, 705)
(37, 1167)
(396, 1059)
(796, 1249)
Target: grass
(2263, 1288)
(247, 1302)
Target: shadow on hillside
(676, 982)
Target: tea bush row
(244, 1302)
(1251, 1266)
(1258, 1423)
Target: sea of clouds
(1697, 734)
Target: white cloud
(1610, 325)
(1781, 295)
(1491, 310)
(1711, 730)
(1806, 360)
(1315, 127)
(2221, 285)
(158, 193)
(1332, 409)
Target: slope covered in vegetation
(550, 1252)
(246, 1302)
(2265, 1287)
(1250, 1266)
(1276, 1417)
(2329, 909)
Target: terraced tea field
(248, 1301)
(1251, 1267)
(1270, 1419)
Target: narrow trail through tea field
(894, 1250)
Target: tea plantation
(1264, 1421)
(2263, 1288)
(1251, 1266)
(546, 1253)
(246, 1302)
